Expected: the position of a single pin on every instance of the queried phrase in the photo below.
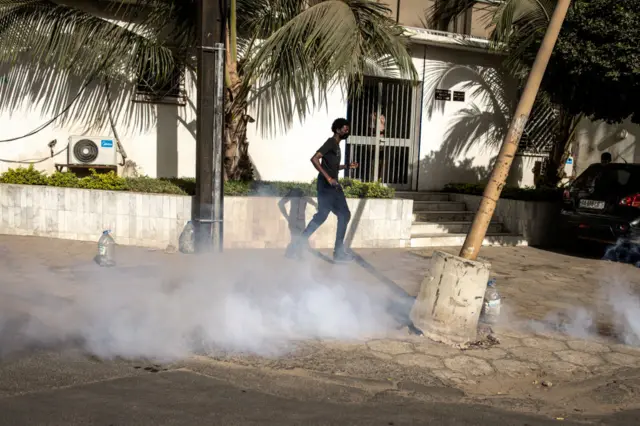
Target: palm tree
(283, 56)
(517, 29)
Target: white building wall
(593, 138)
(448, 153)
(286, 156)
(158, 138)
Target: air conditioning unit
(99, 151)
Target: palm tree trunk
(237, 165)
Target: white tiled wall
(156, 220)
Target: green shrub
(508, 193)
(357, 189)
(105, 181)
(63, 180)
(24, 176)
(155, 186)
(186, 186)
(237, 189)
(281, 189)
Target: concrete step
(449, 206)
(457, 240)
(437, 228)
(442, 216)
(423, 196)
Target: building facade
(444, 129)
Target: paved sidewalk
(536, 285)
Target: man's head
(341, 128)
(605, 158)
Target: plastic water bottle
(491, 304)
(187, 240)
(106, 250)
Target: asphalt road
(47, 388)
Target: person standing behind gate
(331, 198)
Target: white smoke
(185, 304)
(617, 303)
(625, 303)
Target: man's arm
(353, 165)
(315, 160)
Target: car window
(600, 179)
(586, 179)
(615, 180)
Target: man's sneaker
(296, 250)
(341, 256)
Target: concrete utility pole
(500, 172)
(208, 213)
(450, 300)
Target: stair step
(457, 240)
(423, 196)
(444, 228)
(442, 216)
(449, 206)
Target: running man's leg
(341, 209)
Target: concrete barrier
(156, 220)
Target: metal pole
(376, 155)
(217, 239)
(500, 171)
(208, 212)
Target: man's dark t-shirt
(330, 158)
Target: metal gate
(384, 133)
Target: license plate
(592, 204)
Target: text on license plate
(592, 204)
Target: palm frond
(83, 43)
(472, 125)
(50, 47)
(330, 43)
(442, 12)
(517, 24)
(292, 51)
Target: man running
(330, 196)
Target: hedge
(185, 186)
(509, 193)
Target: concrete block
(110, 203)
(109, 222)
(84, 204)
(157, 209)
(95, 201)
(71, 222)
(448, 305)
(133, 205)
(71, 199)
(142, 205)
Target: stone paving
(535, 284)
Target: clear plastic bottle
(106, 250)
(187, 240)
(491, 304)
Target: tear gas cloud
(188, 304)
(617, 308)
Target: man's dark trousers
(331, 199)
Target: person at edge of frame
(331, 198)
